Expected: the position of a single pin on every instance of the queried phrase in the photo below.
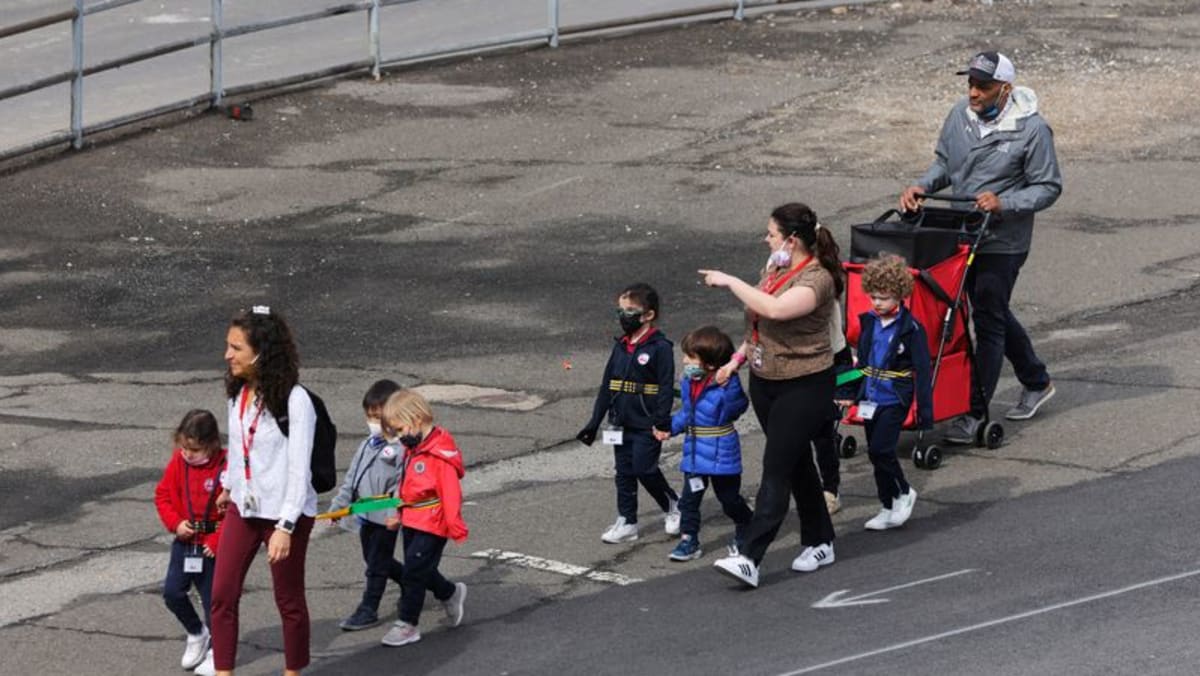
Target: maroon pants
(240, 541)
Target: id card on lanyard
(194, 562)
(770, 286)
(251, 502)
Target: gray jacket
(1016, 161)
(373, 471)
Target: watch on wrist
(286, 526)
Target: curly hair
(887, 274)
(278, 364)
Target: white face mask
(781, 257)
(375, 428)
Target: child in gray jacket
(375, 470)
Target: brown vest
(796, 347)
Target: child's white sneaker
(401, 633)
(812, 558)
(620, 532)
(881, 521)
(197, 646)
(739, 568)
(671, 522)
(454, 605)
(902, 507)
(206, 668)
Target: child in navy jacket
(894, 352)
(636, 394)
(712, 451)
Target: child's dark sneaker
(687, 549)
(362, 618)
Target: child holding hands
(712, 450)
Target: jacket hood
(1023, 103)
(441, 445)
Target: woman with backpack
(268, 484)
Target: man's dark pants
(998, 334)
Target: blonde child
(431, 468)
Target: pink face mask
(194, 462)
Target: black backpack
(324, 462)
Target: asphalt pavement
(464, 227)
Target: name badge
(696, 484)
(866, 409)
(251, 503)
(613, 437)
(193, 564)
(756, 360)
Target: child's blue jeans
(178, 583)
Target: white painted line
(173, 19)
(552, 566)
(552, 186)
(1084, 332)
(835, 599)
(992, 623)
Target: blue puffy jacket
(706, 448)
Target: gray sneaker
(963, 429)
(401, 633)
(454, 605)
(1031, 401)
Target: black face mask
(411, 440)
(630, 323)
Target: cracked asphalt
(463, 227)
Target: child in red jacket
(429, 488)
(186, 501)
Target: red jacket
(171, 496)
(432, 470)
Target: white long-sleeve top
(280, 467)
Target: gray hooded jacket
(373, 471)
(1016, 161)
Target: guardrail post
(77, 80)
(373, 30)
(216, 65)
(739, 14)
(552, 8)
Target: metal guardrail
(373, 64)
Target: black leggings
(791, 412)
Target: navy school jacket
(637, 389)
(914, 356)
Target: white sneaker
(401, 633)
(671, 522)
(813, 558)
(454, 605)
(206, 668)
(902, 507)
(197, 647)
(740, 568)
(620, 532)
(882, 520)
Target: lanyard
(770, 285)
(248, 435)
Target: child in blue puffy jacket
(712, 452)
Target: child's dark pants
(728, 488)
(422, 554)
(378, 549)
(883, 433)
(177, 584)
(637, 460)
